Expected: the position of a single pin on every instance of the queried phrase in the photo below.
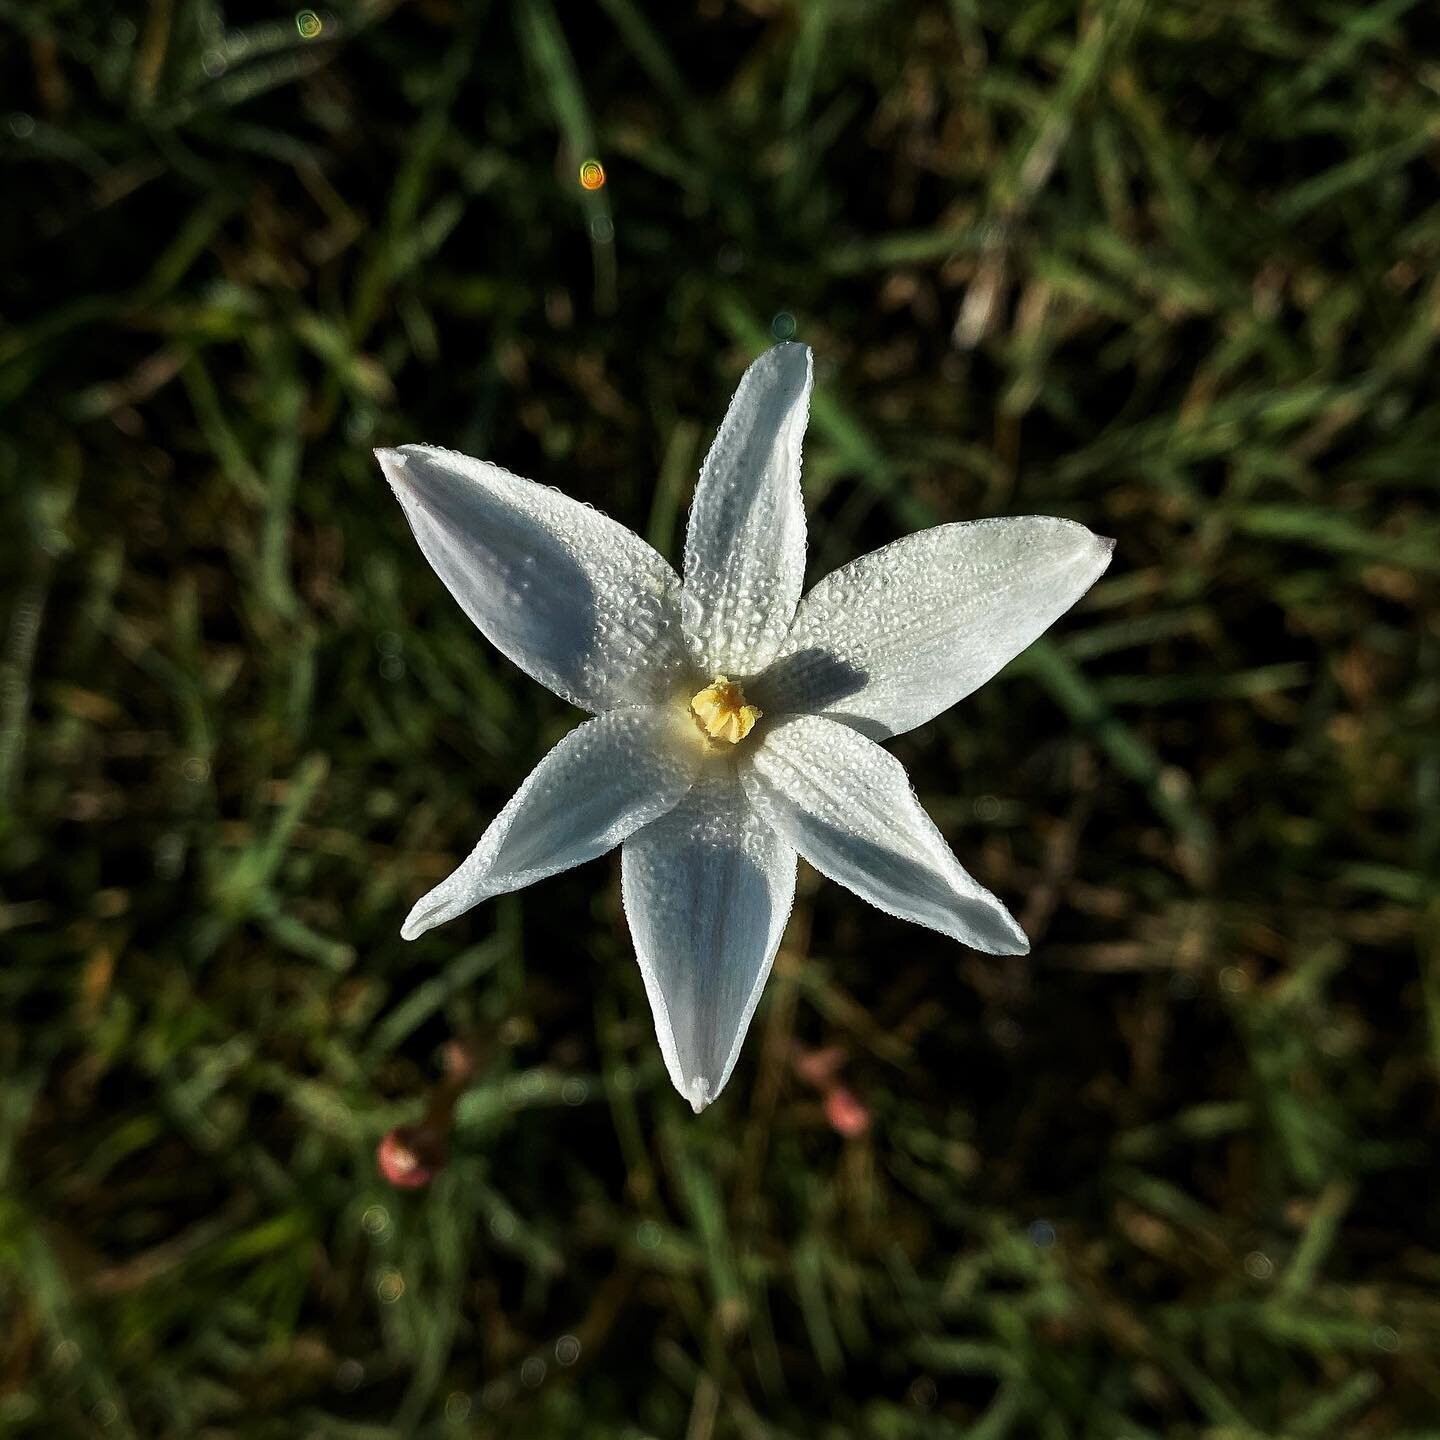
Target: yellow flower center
(721, 712)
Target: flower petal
(602, 782)
(846, 805)
(707, 890)
(888, 641)
(572, 597)
(745, 548)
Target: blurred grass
(1169, 269)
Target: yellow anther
(721, 712)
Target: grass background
(1167, 269)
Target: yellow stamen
(721, 712)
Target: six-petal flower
(735, 725)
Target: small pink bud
(459, 1061)
(847, 1114)
(409, 1157)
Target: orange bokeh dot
(592, 174)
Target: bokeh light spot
(496, 1394)
(65, 1355)
(1259, 1266)
(592, 175)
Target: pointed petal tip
(1092, 552)
(797, 356)
(997, 933)
(423, 916)
(1009, 941)
(1016, 941)
(698, 1093)
(1101, 554)
(392, 465)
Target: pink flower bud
(410, 1156)
(847, 1114)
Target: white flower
(711, 802)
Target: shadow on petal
(816, 674)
